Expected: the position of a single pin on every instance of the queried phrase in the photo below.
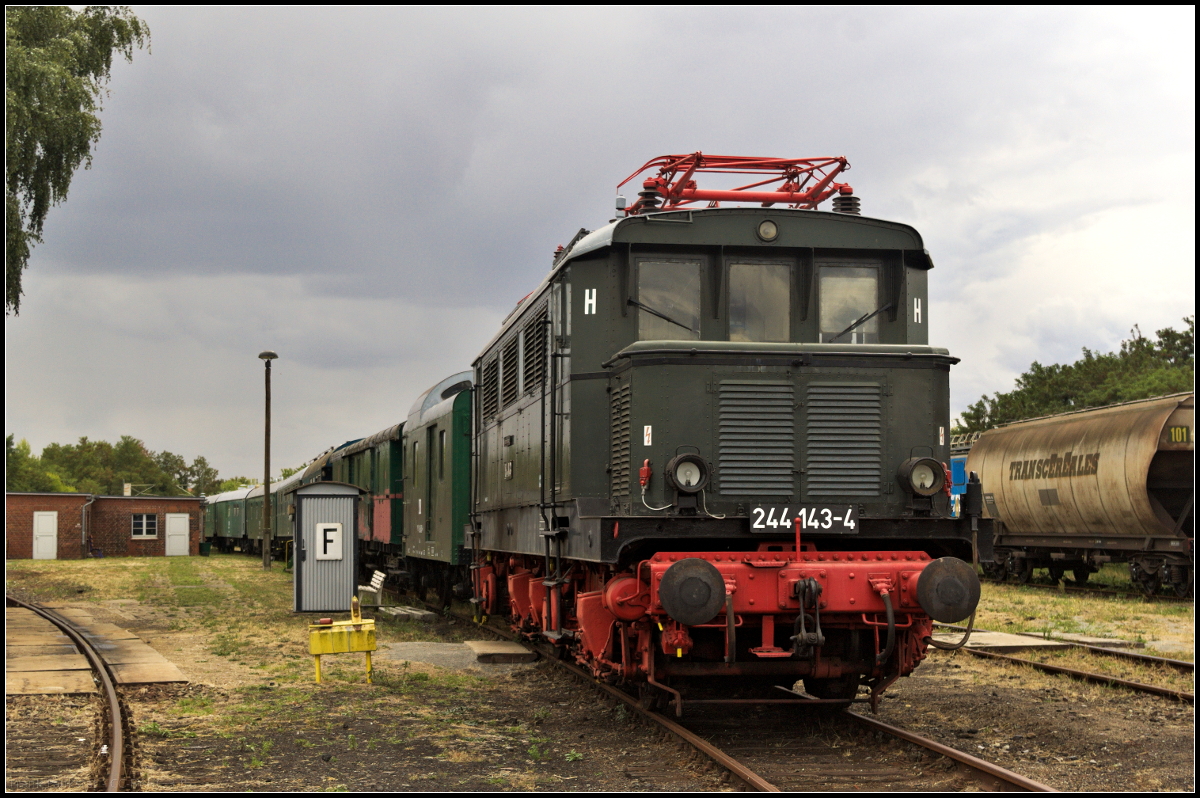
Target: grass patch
(1011, 608)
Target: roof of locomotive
(829, 231)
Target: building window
(145, 525)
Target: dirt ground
(252, 719)
(1067, 734)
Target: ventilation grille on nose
(757, 439)
(844, 440)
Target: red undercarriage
(615, 624)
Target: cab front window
(847, 295)
(668, 303)
(760, 302)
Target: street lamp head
(268, 355)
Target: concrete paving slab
(500, 651)
(147, 673)
(106, 630)
(411, 613)
(49, 683)
(129, 654)
(999, 642)
(13, 652)
(455, 656)
(37, 640)
(1099, 642)
(60, 662)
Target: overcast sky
(369, 191)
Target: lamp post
(267, 357)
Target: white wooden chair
(375, 587)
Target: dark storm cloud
(371, 190)
(405, 143)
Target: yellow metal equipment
(341, 637)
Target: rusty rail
(1087, 676)
(990, 776)
(112, 701)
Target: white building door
(45, 536)
(177, 534)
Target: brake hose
(953, 646)
(891, 635)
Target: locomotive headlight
(688, 473)
(768, 230)
(922, 476)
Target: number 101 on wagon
(829, 518)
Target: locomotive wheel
(1056, 573)
(843, 687)
(1081, 575)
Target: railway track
(117, 751)
(1090, 676)
(1181, 666)
(773, 745)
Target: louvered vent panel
(619, 461)
(535, 351)
(757, 448)
(845, 439)
(490, 396)
(511, 377)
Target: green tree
(233, 483)
(203, 477)
(57, 65)
(1140, 369)
(174, 467)
(25, 473)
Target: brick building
(70, 526)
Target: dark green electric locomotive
(712, 429)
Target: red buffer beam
(802, 182)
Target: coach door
(45, 536)
(177, 534)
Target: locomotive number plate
(832, 519)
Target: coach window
(145, 525)
(441, 454)
(847, 295)
(760, 302)
(668, 302)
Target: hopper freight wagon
(1079, 489)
